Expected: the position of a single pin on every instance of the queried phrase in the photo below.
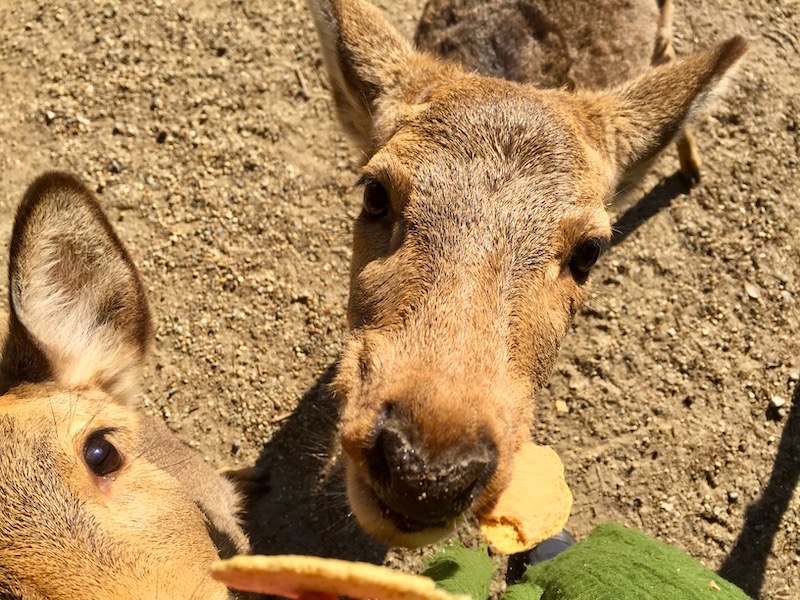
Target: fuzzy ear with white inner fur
(79, 315)
(374, 72)
(641, 117)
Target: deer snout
(421, 491)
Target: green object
(524, 591)
(460, 570)
(617, 563)
(613, 563)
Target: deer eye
(584, 257)
(100, 455)
(376, 199)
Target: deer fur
(486, 187)
(71, 363)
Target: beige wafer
(535, 505)
(294, 576)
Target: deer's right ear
(374, 72)
(79, 315)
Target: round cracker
(534, 507)
(294, 576)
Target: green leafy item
(613, 563)
(460, 570)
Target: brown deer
(485, 192)
(96, 500)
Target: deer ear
(374, 71)
(78, 310)
(640, 118)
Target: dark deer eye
(584, 256)
(376, 199)
(100, 455)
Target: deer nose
(427, 491)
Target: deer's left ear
(79, 316)
(634, 122)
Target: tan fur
(461, 293)
(70, 366)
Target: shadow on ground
(652, 203)
(305, 512)
(747, 561)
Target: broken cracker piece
(295, 577)
(534, 507)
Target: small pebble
(752, 290)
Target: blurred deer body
(553, 44)
(96, 500)
(484, 211)
(547, 43)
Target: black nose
(425, 491)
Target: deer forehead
(493, 152)
(496, 122)
(67, 416)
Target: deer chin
(386, 525)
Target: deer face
(469, 261)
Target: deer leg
(688, 156)
(664, 52)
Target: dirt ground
(206, 128)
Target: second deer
(97, 501)
(486, 184)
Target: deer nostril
(376, 455)
(428, 491)
(378, 462)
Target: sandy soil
(206, 128)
